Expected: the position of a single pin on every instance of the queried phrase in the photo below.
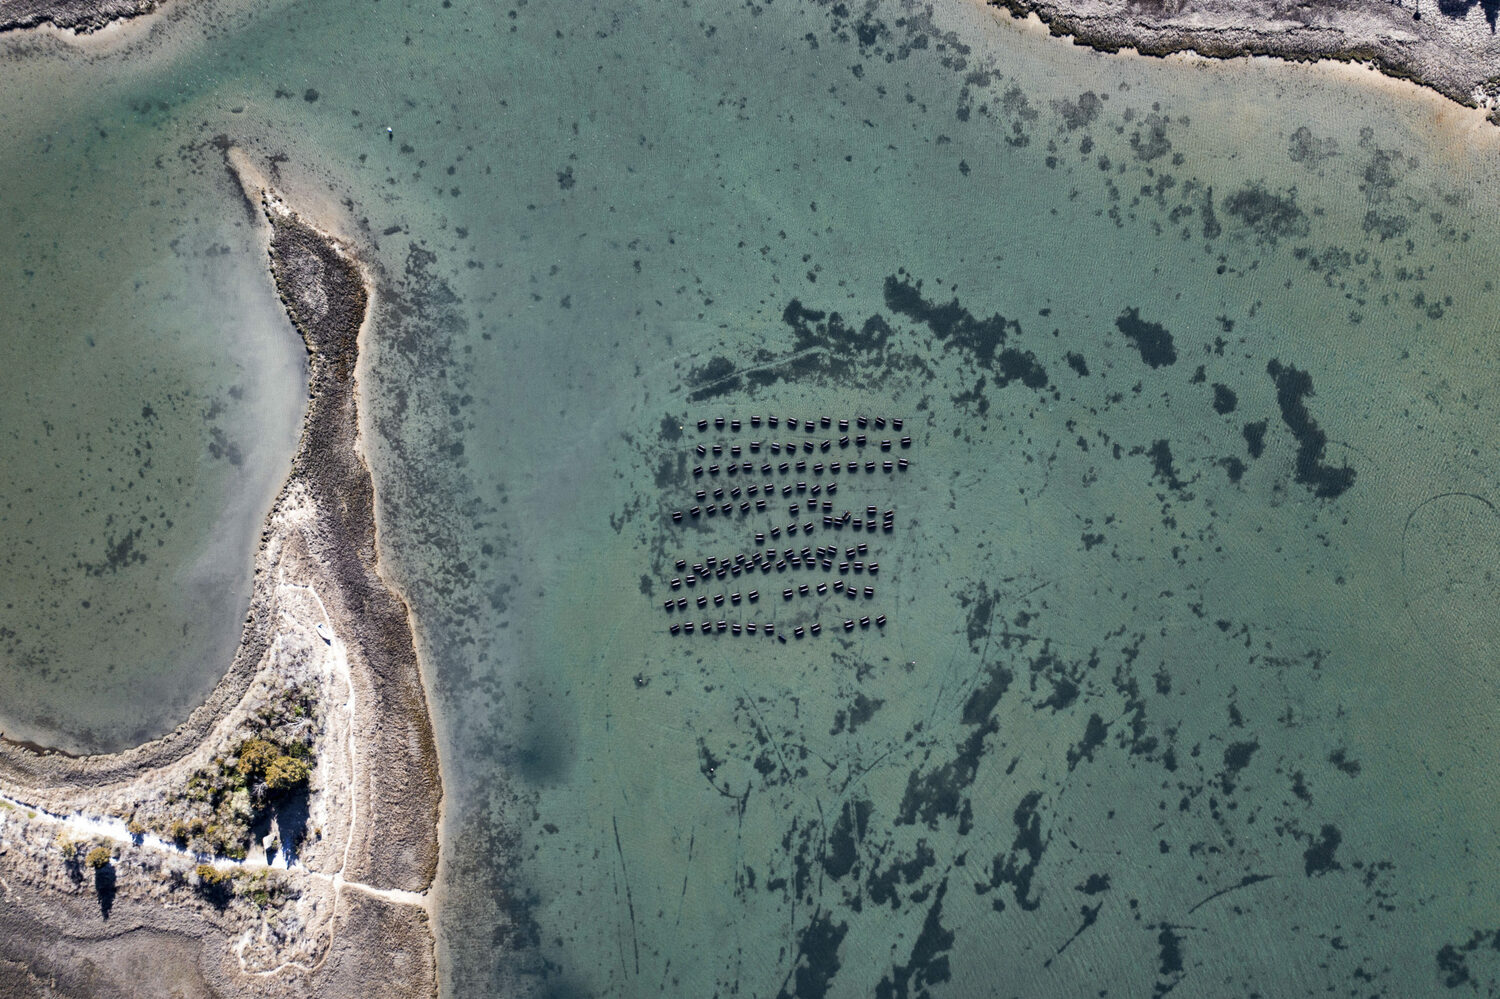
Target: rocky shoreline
(342, 901)
(1452, 49)
(81, 16)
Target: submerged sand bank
(338, 900)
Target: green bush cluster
(99, 856)
(291, 704)
(262, 761)
(262, 888)
(255, 755)
(228, 798)
(285, 773)
(211, 877)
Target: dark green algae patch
(1152, 339)
(855, 854)
(1293, 387)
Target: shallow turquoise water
(150, 394)
(1185, 683)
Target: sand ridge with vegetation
(282, 841)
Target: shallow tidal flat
(150, 390)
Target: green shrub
(213, 877)
(99, 856)
(260, 889)
(256, 755)
(285, 773)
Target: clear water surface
(1184, 685)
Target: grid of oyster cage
(748, 471)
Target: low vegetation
(222, 803)
(211, 876)
(264, 888)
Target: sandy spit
(352, 907)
